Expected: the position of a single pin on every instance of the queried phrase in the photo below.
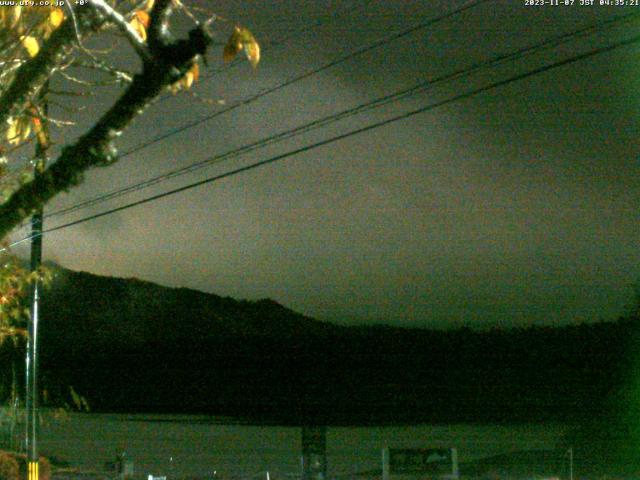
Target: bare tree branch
(120, 76)
(34, 73)
(169, 62)
(116, 18)
(159, 26)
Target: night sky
(517, 206)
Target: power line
(432, 21)
(315, 71)
(376, 103)
(291, 81)
(233, 64)
(351, 133)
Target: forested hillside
(129, 345)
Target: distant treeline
(132, 346)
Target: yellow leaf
(243, 35)
(148, 5)
(191, 76)
(56, 17)
(138, 23)
(240, 39)
(18, 130)
(143, 17)
(195, 69)
(23, 128)
(42, 136)
(10, 15)
(252, 50)
(187, 80)
(31, 45)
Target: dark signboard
(420, 460)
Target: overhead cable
(322, 122)
(358, 131)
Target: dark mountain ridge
(133, 346)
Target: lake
(200, 446)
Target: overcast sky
(516, 206)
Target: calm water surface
(199, 446)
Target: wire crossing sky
(357, 131)
(503, 197)
(394, 97)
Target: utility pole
(31, 403)
(571, 464)
(31, 373)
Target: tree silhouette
(46, 41)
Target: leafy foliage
(24, 33)
(140, 22)
(14, 283)
(242, 39)
(43, 46)
(46, 46)
(23, 30)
